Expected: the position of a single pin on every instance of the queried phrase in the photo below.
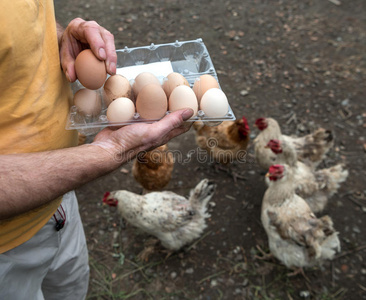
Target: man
(42, 243)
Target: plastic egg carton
(189, 58)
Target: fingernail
(187, 114)
(112, 68)
(102, 53)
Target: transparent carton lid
(189, 58)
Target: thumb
(177, 118)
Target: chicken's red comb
(243, 126)
(276, 169)
(259, 121)
(272, 143)
(245, 121)
(109, 201)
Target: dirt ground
(301, 62)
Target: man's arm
(30, 180)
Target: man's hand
(126, 142)
(80, 35)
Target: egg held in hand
(88, 102)
(183, 97)
(121, 110)
(90, 71)
(214, 103)
(151, 102)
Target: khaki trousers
(52, 264)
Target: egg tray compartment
(189, 58)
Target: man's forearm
(30, 180)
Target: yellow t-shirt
(34, 99)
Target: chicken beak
(267, 175)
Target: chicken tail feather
(202, 194)
(330, 179)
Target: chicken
(310, 148)
(315, 186)
(296, 236)
(173, 219)
(226, 142)
(153, 169)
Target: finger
(101, 42)
(110, 49)
(69, 50)
(169, 127)
(175, 119)
(91, 33)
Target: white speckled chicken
(315, 186)
(173, 219)
(296, 236)
(310, 148)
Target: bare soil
(301, 62)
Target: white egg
(121, 110)
(214, 103)
(183, 97)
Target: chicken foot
(264, 255)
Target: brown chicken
(310, 148)
(296, 236)
(224, 143)
(153, 169)
(315, 186)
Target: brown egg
(121, 110)
(151, 102)
(117, 86)
(90, 70)
(88, 102)
(172, 81)
(183, 97)
(143, 79)
(203, 84)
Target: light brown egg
(203, 84)
(183, 97)
(143, 79)
(214, 103)
(88, 102)
(172, 81)
(117, 86)
(151, 102)
(121, 110)
(90, 70)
